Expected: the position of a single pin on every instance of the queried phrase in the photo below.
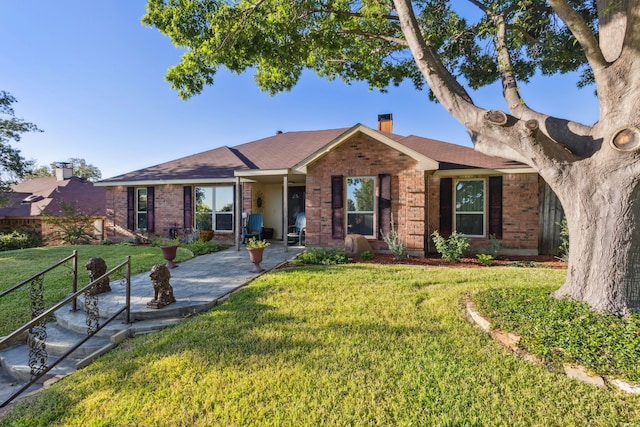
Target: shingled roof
(285, 150)
(452, 156)
(31, 198)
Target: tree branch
(480, 5)
(551, 127)
(583, 35)
(395, 40)
(351, 14)
(445, 87)
(632, 39)
(515, 103)
(524, 33)
(514, 139)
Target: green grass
(19, 265)
(356, 344)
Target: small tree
(72, 226)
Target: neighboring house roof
(294, 150)
(31, 198)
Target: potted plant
(169, 249)
(204, 226)
(255, 248)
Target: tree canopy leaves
(360, 40)
(12, 165)
(80, 168)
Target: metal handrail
(72, 296)
(35, 321)
(74, 255)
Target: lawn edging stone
(510, 342)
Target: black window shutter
(131, 208)
(337, 212)
(151, 222)
(384, 205)
(495, 206)
(188, 209)
(446, 207)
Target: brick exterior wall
(520, 214)
(363, 156)
(415, 201)
(116, 223)
(168, 213)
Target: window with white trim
(141, 208)
(470, 207)
(214, 208)
(361, 198)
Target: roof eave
(483, 171)
(151, 182)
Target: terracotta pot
(169, 254)
(255, 256)
(205, 235)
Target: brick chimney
(385, 123)
(64, 171)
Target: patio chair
(297, 231)
(253, 227)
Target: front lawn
(357, 345)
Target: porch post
(285, 211)
(238, 212)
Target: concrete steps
(199, 284)
(14, 359)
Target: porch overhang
(270, 176)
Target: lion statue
(97, 267)
(162, 290)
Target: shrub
(165, 242)
(452, 248)
(366, 255)
(395, 244)
(323, 257)
(563, 249)
(140, 239)
(200, 247)
(19, 239)
(485, 259)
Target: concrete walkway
(198, 284)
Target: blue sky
(92, 77)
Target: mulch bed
(434, 260)
(502, 261)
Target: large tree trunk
(598, 186)
(603, 213)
